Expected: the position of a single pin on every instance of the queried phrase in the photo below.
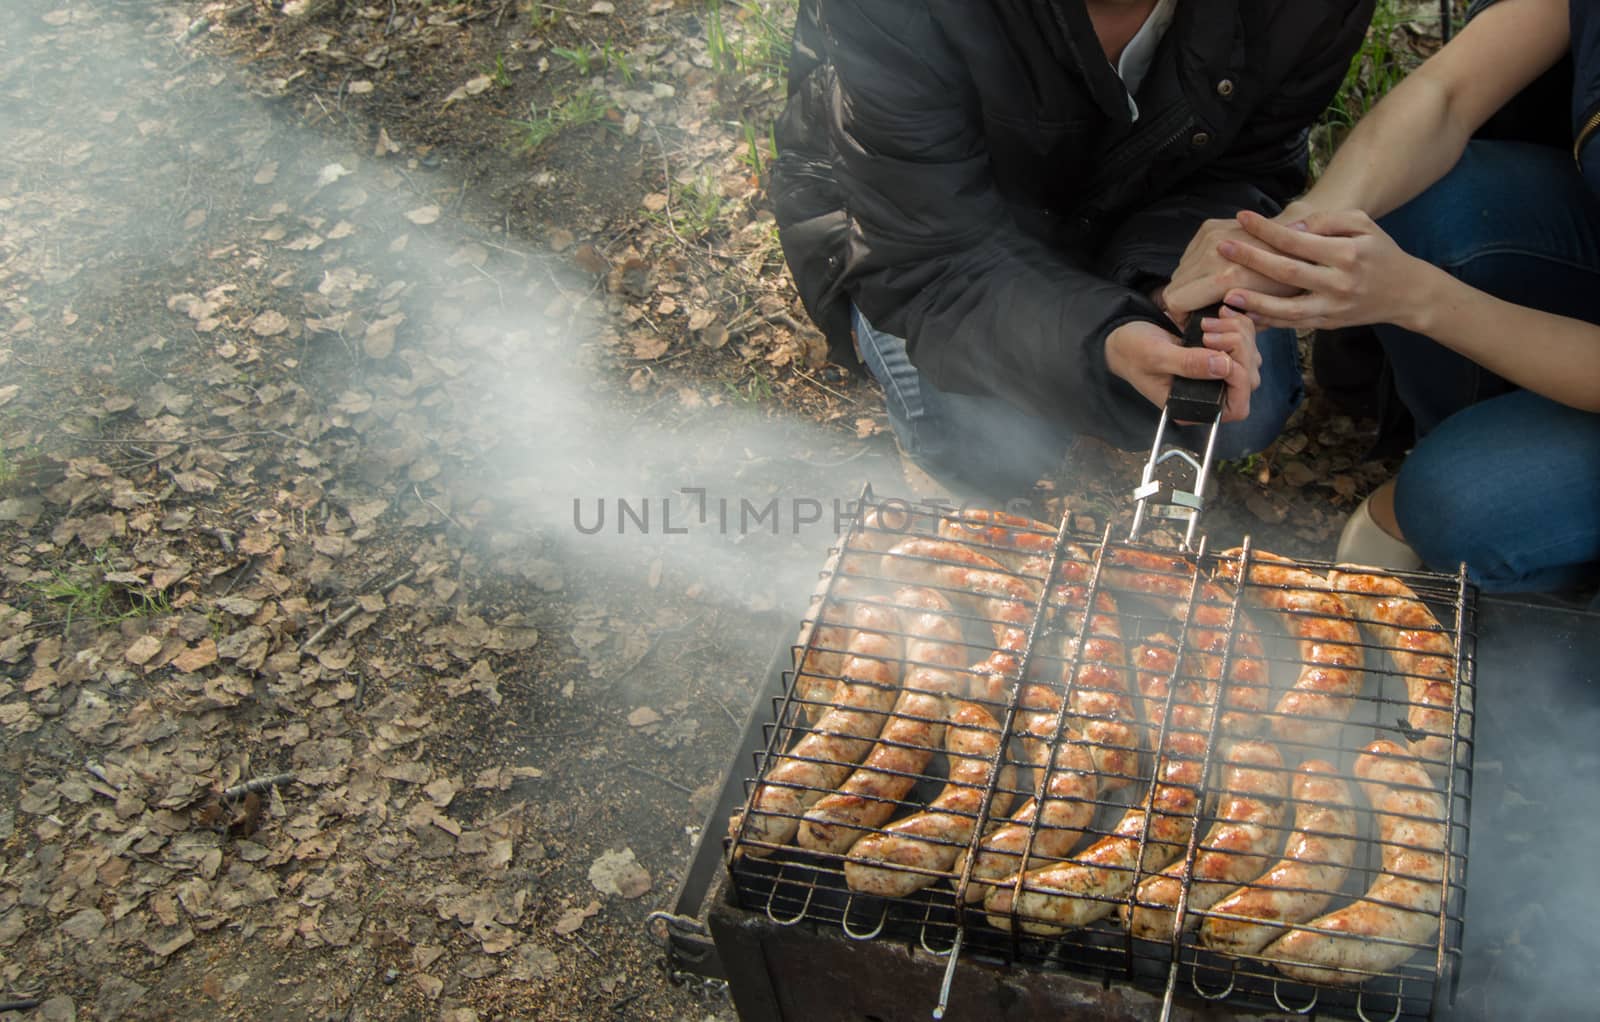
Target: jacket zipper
(1588, 129)
(1140, 150)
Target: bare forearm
(1554, 356)
(1417, 132)
(1408, 141)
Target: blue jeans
(1501, 479)
(1001, 450)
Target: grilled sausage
(1402, 905)
(1321, 698)
(870, 795)
(1235, 850)
(824, 631)
(1168, 579)
(824, 756)
(1420, 649)
(1066, 791)
(913, 853)
(1156, 665)
(1085, 888)
(1102, 711)
(1300, 884)
(1001, 597)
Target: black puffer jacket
(968, 173)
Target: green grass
(749, 37)
(752, 390)
(697, 206)
(498, 73)
(602, 58)
(586, 107)
(1378, 66)
(84, 592)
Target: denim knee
(1507, 487)
(1281, 391)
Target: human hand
(1341, 269)
(1204, 275)
(1148, 357)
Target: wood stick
(259, 785)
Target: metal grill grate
(1208, 710)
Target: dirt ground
(375, 386)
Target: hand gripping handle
(1196, 400)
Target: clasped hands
(1301, 270)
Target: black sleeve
(1265, 164)
(934, 255)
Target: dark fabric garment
(968, 174)
(1585, 20)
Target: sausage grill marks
(1074, 893)
(872, 793)
(913, 853)
(991, 592)
(1400, 911)
(1420, 649)
(1321, 698)
(1169, 579)
(1254, 787)
(1303, 882)
(824, 756)
(824, 631)
(1101, 712)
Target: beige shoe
(1363, 541)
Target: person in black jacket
(985, 199)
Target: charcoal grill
(787, 888)
(1538, 665)
(933, 929)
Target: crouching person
(984, 200)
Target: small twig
(436, 507)
(587, 946)
(239, 575)
(824, 387)
(344, 615)
(98, 772)
(20, 1004)
(351, 611)
(666, 168)
(731, 718)
(669, 782)
(259, 785)
(829, 464)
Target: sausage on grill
(1101, 710)
(1420, 649)
(1169, 579)
(1402, 904)
(1085, 888)
(1300, 884)
(1235, 850)
(1005, 600)
(824, 756)
(1156, 665)
(825, 632)
(913, 853)
(1067, 793)
(1321, 698)
(869, 796)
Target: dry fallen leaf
(619, 873)
(423, 215)
(573, 918)
(269, 324)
